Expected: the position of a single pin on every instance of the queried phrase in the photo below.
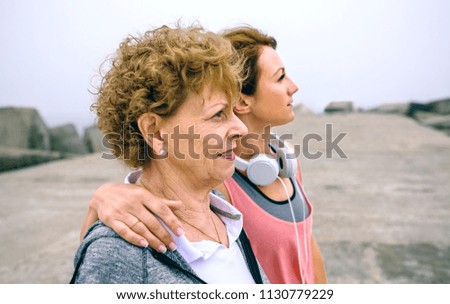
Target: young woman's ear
(149, 125)
(243, 105)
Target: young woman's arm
(320, 274)
(131, 212)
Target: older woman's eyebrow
(219, 103)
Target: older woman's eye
(219, 114)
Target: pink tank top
(273, 240)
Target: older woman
(166, 106)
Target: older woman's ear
(149, 125)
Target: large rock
(339, 106)
(440, 122)
(417, 106)
(302, 110)
(14, 158)
(400, 108)
(441, 106)
(93, 139)
(435, 114)
(65, 139)
(423, 115)
(23, 128)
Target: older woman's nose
(237, 128)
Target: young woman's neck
(256, 141)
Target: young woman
(277, 216)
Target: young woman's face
(274, 90)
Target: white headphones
(263, 169)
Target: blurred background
(369, 52)
(378, 71)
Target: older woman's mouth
(227, 155)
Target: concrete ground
(381, 214)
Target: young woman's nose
(293, 88)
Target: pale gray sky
(369, 52)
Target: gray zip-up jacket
(105, 258)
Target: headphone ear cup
(262, 170)
(287, 162)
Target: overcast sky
(369, 52)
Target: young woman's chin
(283, 121)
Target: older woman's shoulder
(104, 257)
(107, 242)
(99, 230)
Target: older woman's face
(202, 136)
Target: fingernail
(180, 231)
(172, 246)
(162, 248)
(143, 243)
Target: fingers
(134, 236)
(129, 235)
(163, 209)
(147, 210)
(151, 229)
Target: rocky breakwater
(26, 140)
(434, 114)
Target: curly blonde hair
(155, 72)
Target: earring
(162, 152)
